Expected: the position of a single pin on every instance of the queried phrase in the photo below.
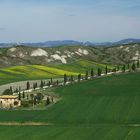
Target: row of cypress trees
(88, 75)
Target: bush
(15, 103)
(25, 103)
(7, 92)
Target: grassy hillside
(20, 73)
(31, 72)
(81, 65)
(103, 109)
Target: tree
(99, 72)
(16, 90)
(42, 84)
(65, 79)
(28, 85)
(106, 69)
(35, 100)
(19, 96)
(118, 68)
(19, 89)
(34, 85)
(23, 95)
(39, 96)
(32, 99)
(123, 68)
(27, 96)
(71, 79)
(92, 73)
(11, 90)
(52, 99)
(31, 96)
(138, 64)
(48, 101)
(133, 67)
(7, 92)
(86, 75)
(51, 81)
(79, 77)
(128, 66)
(114, 70)
(57, 82)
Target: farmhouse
(9, 101)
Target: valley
(89, 110)
(77, 106)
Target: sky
(82, 20)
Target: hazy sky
(84, 20)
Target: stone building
(9, 101)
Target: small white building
(9, 101)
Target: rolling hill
(30, 72)
(24, 55)
(37, 72)
(101, 109)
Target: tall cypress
(28, 85)
(92, 73)
(133, 67)
(106, 69)
(86, 75)
(65, 79)
(79, 77)
(99, 72)
(123, 68)
(138, 64)
(71, 79)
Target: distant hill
(24, 55)
(72, 43)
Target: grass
(81, 65)
(30, 72)
(37, 72)
(103, 109)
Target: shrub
(15, 103)
(25, 103)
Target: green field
(82, 65)
(103, 109)
(37, 72)
(30, 72)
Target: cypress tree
(71, 79)
(42, 84)
(23, 95)
(65, 79)
(48, 101)
(28, 85)
(86, 75)
(123, 68)
(34, 86)
(79, 77)
(27, 96)
(51, 81)
(106, 70)
(92, 73)
(99, 72)
(52, 99)
(19, 96)
(128, 66)
(118, 68)
(138, 64)
(57, 82)
(133, 67)
(11, 90)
